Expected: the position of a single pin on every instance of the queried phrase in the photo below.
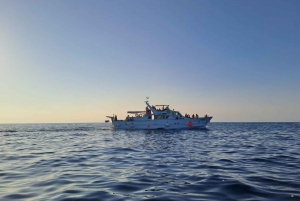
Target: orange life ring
(190, 124)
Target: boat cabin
(154, 113)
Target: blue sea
(226, 161)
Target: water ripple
(227, 161)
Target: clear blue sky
(78, 61)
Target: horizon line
(110, 122)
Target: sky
(78, 61)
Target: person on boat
(167, 108)
(205, 116)
(116, 119)
(197, 116)
(127, 118)
(163, 108)
(149, 111)
(185, 115)
(193, 116)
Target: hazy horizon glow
(79, 61)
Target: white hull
(159, 118)
(186, 123)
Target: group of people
(193, 116)
(159, 109)
(128, 118)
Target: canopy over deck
(135, 112)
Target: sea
(226, 161)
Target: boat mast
(151, 108)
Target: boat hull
(186, 123)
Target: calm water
(227, 161)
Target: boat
(106, 121)
(159, 117)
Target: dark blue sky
(78, 61)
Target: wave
(80, 129)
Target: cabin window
(175, 113)
(161, 116)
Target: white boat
(159, 117)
